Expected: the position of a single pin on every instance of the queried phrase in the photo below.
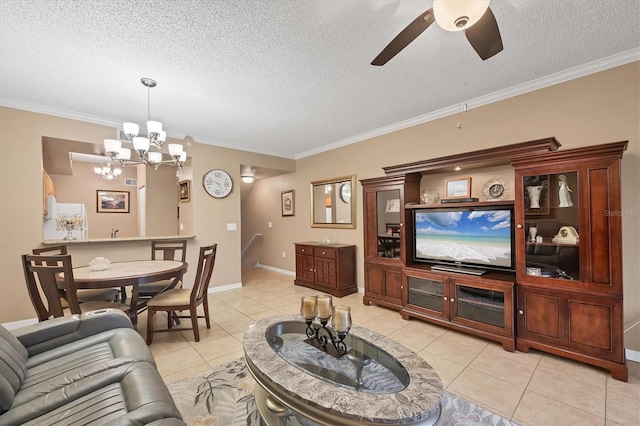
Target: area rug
(224, 397)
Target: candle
(308, 307)
(325, 307)
(341, 321)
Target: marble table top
(126, 269)
(418, 401)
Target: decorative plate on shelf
(495, 189)
(430, 196)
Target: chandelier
(155, 137)
(107, 172)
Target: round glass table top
(364, 367)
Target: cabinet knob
(519, 226)
(324, 252)
(302, 250)
(452, 300)
(520, 311)
(446, 298)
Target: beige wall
(600, 108)
(595, 109)
(21, 197)
(81, 188)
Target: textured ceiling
(286, 77)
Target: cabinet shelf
(413, 206)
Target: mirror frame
(343, 179)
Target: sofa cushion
(13, 367)
(130, 394)
(73, 362)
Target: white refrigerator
(56, 210)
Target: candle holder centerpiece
(69, 223)
(321, 307)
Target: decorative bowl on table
(99, 264)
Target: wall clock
(345, 192)
(217, 183)
(495, 189)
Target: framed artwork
(112, 201)
(184, 190)
(287, 202)
(458, 188)
(536, 195)
(393, 206)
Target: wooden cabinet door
(383, 283)
(539, 315)
(482, 304)
(325, 272)
(594, 326)
(304, 268)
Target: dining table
(130, 273)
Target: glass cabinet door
(426, 293)
(552, 225)
(388, 225)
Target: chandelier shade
(142, 145)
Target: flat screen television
(465, 239)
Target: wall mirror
(333, 203)
(151, 196)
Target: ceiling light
(248, 175)
(458, 15)
(107, 172)
(155, 138)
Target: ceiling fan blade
(484, 36)
(406, 36)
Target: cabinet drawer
(325, 252)
(308, 250)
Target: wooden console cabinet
(328, 268)
(482, 306)
(565, 296)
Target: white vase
(533, 231)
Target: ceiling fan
(474, 17)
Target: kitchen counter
(117, 240)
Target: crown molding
(537, 84)
(613, 61)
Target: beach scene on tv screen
(477, 237)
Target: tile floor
(529, 388)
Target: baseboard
(274, 269)
(632, 355)
(227, 287)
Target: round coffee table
(378, 381)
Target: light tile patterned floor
(530, 388)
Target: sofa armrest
(50, 334)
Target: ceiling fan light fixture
(458, 15)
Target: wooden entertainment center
(564, 295)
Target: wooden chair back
(41, 274)
(168, 249)
(206, 262)
(51, 250)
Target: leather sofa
(81, 369)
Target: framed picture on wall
(184, 190)
(112, 201)
(287, 202)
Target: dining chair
(84, 295)
(181, 299)
(42, 274)
(163, 250)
